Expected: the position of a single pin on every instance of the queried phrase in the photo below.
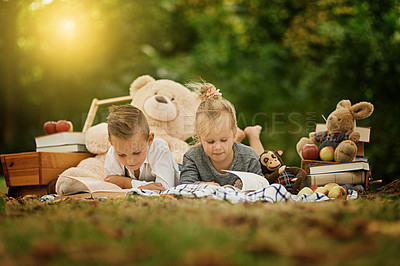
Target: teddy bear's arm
(312, 137)
(354, 136)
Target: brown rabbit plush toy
(340, 134)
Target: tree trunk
(9, 82)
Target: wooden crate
(33, 171)
(305, 164)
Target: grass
(164, 231)
(3, 188)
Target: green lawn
(3, 187)
(164, 231)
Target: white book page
(250, 181)
(94, 185)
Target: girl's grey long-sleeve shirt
(197, 166)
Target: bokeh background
(282, 63)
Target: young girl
(216, 129)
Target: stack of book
(355, 172)
(62, 142)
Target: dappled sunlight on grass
(197, 231)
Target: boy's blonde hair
(212, 110)
(124, 121)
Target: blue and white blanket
(272, 193)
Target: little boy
(137, 159)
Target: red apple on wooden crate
(64, 126)
(310, 152)
(49, 127)
(326, 153)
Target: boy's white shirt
(159, 166)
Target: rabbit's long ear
(362, 110)
(343, 104)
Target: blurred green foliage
(282, 63)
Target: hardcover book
(62, 138)
(339, 167)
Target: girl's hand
(153, 186)
(119, 180)
(210, 183)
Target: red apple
(64, 126)
(49, 127)
(310, 152)
(337, 192)
(326, 153)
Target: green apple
(305, 190)
(326, 153)
(330, 185)
(322, 190)
(337, 192)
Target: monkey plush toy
(276, 172)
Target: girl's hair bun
(206, 91)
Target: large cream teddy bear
(170, 108)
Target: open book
(94, 188)
(250, 181)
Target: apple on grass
(305, 190)
(326, 153)
(330, 185)
(49, 127)
(310, 152)
(322, 190)
(64, 126)
(337, 192)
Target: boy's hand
(153, 186)
(121, 181)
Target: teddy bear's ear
(279, 152)
(139, 83)
(343, 104)
(361, 110)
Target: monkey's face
(270, 160)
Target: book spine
(354, 177)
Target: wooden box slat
(21, 160)
(37, 168)
(22, 177)
(61, 160)
(48, 174)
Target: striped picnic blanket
(272, 193)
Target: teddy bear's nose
(160, 99)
